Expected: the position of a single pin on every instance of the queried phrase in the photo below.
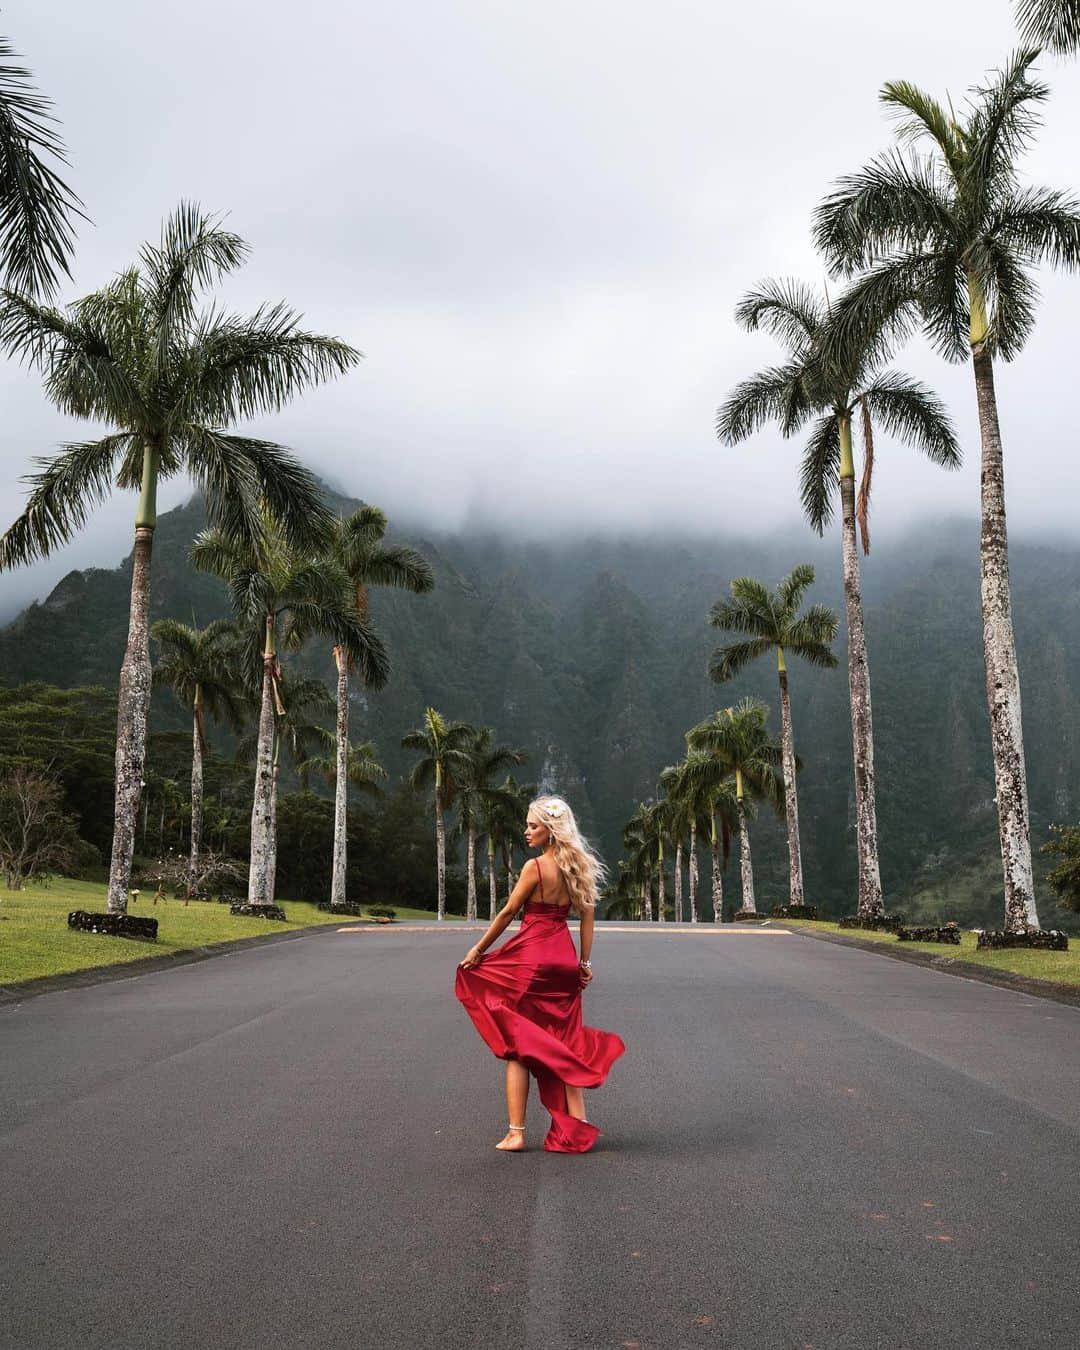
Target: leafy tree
(36, 205)
(738, 740)
(947, 241)
(772, 623)
(706, 784)
(444, 765)
(832, 379)
(69, 736)
(140, 356)
(200, 667)
(1050, 23)
(358, 549)
(1065, 878)
(284, 595)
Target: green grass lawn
(35, 939)
(1064, 967)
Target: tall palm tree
(356, 546)
(949, 239)
(443, 767)
(738, 739)
(682, 815)
(282, 595)
(1050, 23)
(502, 812)
(199, 665)
(36, 205)
(170, 378)
(833, 392)
(475, 790)
(772, 623)
(707, 784)
(640, 864)
(295, 732)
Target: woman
(525, 998)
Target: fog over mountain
(535, 221)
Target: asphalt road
(804, 1146)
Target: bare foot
(514, 1142)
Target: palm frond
(788, 309)
(36, 205)
(1041, 225)
(194, 253)
(243, 478)
(252, 366)
(794, 586)
(1050, 23)
(811, 635)
(726, 662)
(62, 494)
(912, 413)
(1012, 296)
(1002, 124)
(876, 312)
(918, 114)
(773, 395)
(895, 204)
(819, 471)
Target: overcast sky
(535, 219)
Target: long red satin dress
(525, 1000)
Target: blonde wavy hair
(582, 870)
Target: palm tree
(682, 815)
(502, 813)
(833, 392)
(199, 666)
(475, 791)
(948, 240)
(281, 595)
(707, 784)
(140, 356)
(622, 898)
(444, 766)
(295, 732)
(638, 841)
(356, 546)
(772, 622)
(738, 739)
(36, 206)
(1050, 23)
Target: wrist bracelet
(585, 965)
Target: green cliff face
(592, 656)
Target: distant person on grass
(525, 998)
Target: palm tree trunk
(791, 799)
(648, 900)
(132, 711)
(871, 903)
(341, 783)
(678, 882)
(271, 862)
(440, 855)
(693, 870)
(492, 879)
(746, 864)
(196, 794)
(717, 876)
(1002, 672)
(262, 807)
(661, 897)
(470, 865)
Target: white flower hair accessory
(555, 810)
